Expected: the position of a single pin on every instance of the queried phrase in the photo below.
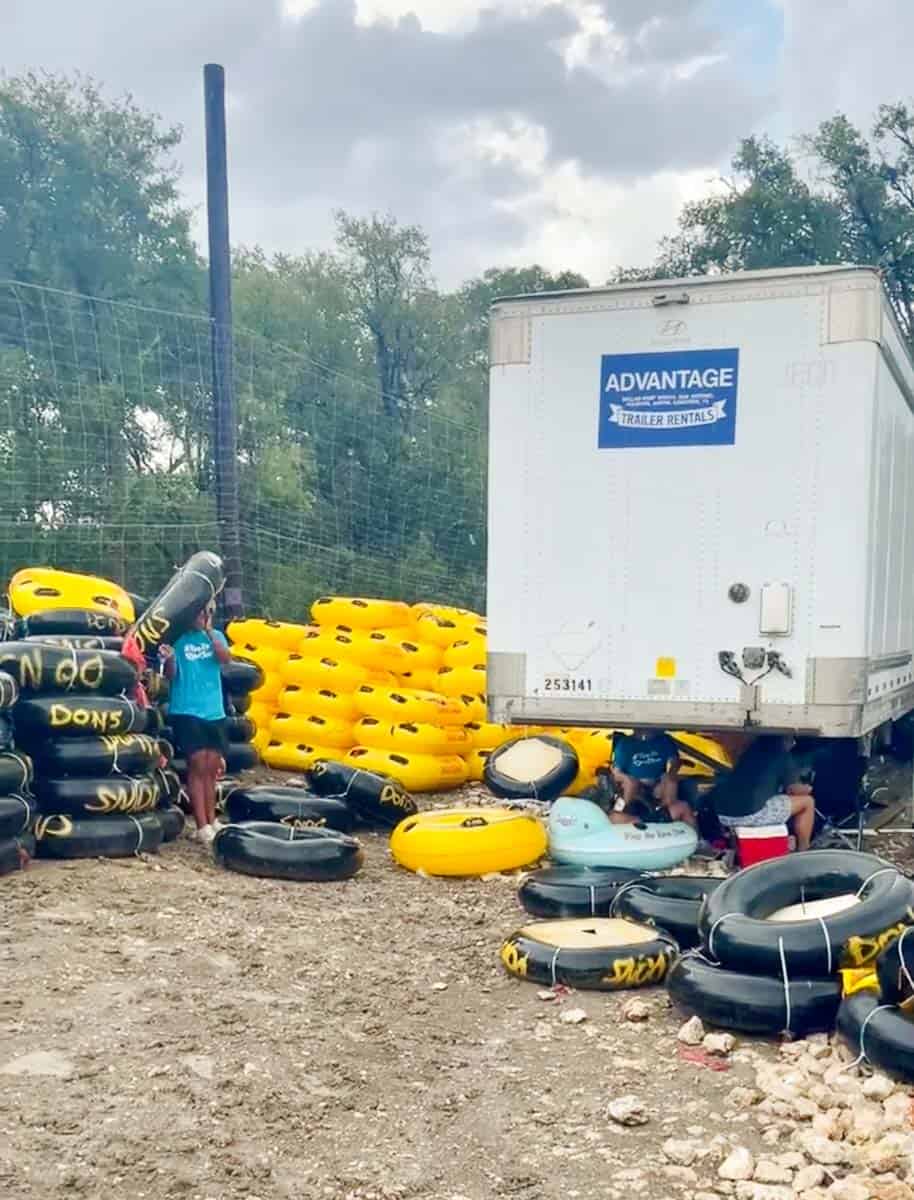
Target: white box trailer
(701, 505)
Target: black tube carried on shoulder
(16, 815)
(545, 787)
(11, 858)
(62, 836)
(374, 798)
(174, 610)
(287, 806)
(130, 754)
(74, 642)
(240, 676)
(80, 716)
(670, 902)
(573, 891)
(879, 1032)
(39, 669)
(735, 930)
(283, 852)
(753, 1004)
(114, 794)
(75, 621)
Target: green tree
(89, 196)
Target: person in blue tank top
(196, 713)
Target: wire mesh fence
(106, 452)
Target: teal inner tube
(582, 835)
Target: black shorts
(193, 734)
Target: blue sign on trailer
(669, 398)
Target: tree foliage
(840, 197)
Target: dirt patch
(172, 1030)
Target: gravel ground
(172, 1030)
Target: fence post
(225, 421)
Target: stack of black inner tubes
(304, 833)
(239, 679)
(759, 976)
(97, 775)
(18, 808)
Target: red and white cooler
(755, 845)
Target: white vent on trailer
(774, 620)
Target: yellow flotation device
(261, 714)
(707, 748)
(420, 655)
(270, 660)
(464, 617)
(472, 709)
(476, 764)
(322, 702)
(425, 679)
(468, 841)
(359, 612)
(36, 589)
(269, 690)
(417, 772)
(278, 635)
(393, 704)
(367, 648)
(440, 631)
(465, 653)
(326, 672)
(485, 736)
(462, 681)
(412, 738)
(284, 756)
(323, 731)
(261, 740)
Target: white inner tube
(528, 760)
(589, 933)
(811, 910)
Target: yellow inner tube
(313, 728)
(37, 589)
(284, 756)
(416, 772)
(412, 738)
(359, 612)
(277, 635)
(322, 702)
(468, 841)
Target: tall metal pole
(225, 420)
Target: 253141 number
(565, 683)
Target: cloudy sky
(563, 131)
